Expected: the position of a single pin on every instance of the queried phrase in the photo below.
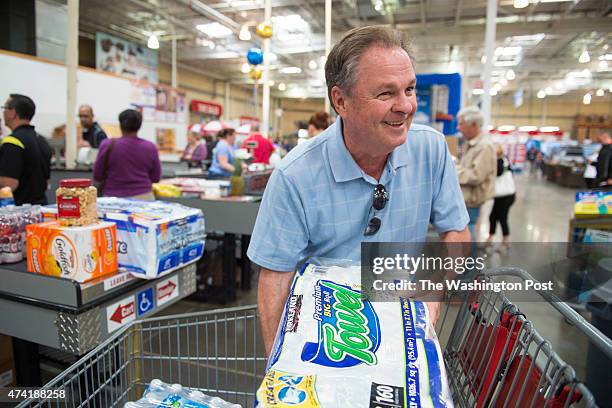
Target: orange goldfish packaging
(79, 253)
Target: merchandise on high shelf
(153, 237)
(161, 395)
(77, 253)
(335, 349)
(593, 203)
(6, 197)
(13, 221)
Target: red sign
(68, 206)
(208, 108)
(165, 290)
(123, 312)
(248, 120)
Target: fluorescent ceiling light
(290, 70)
(578, 78)
(214, 30)
(584, 57)
(586, 99)
(509, 63)
(527, 128)
(506, 128)
(548, 129)
(477, 91)
(600, 92)
(521, 3)
(245, 34)
(508, 51)
(452, 66)
(203, 42)
(548, 90)
(510, 75)
(282, 87)
(245, 68)
(541, 94)
(153, 42)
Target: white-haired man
(477, 168)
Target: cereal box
(78, 253)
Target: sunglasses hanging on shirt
(380, 196)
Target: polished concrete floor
(541, 213)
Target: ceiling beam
(422, 9)
(458, 12)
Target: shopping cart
(219, 352)
(494, 358)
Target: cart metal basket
(494, 358)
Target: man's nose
(403, 104)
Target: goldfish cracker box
(78, 253)
(335, 349)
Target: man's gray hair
(342, 61)
(471, 114)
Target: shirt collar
(344, 167)
(475, 140)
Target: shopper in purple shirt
(129, 165)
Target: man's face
(378, 112)
(467, 129)
(8, 114)
(605, 138)
(86, 117)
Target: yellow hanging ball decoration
(255, 74)
(264, 30)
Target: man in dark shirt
(604, 159)
(93, 134)
(25, 156)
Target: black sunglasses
(379, 200)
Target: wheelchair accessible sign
(145, 302)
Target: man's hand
(434, 312)
(83, 143)
(272, 291)
(9, 182)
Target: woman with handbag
(127, 166)
(505, 194)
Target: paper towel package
(334, 349)
(154, 237)
(80, 253)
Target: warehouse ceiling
(541, 43)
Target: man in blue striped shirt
(372, 176)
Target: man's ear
(339, 100)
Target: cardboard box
(6, 349)
(453, 145)
(154, 237)
(79, 253)
(7, 374)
